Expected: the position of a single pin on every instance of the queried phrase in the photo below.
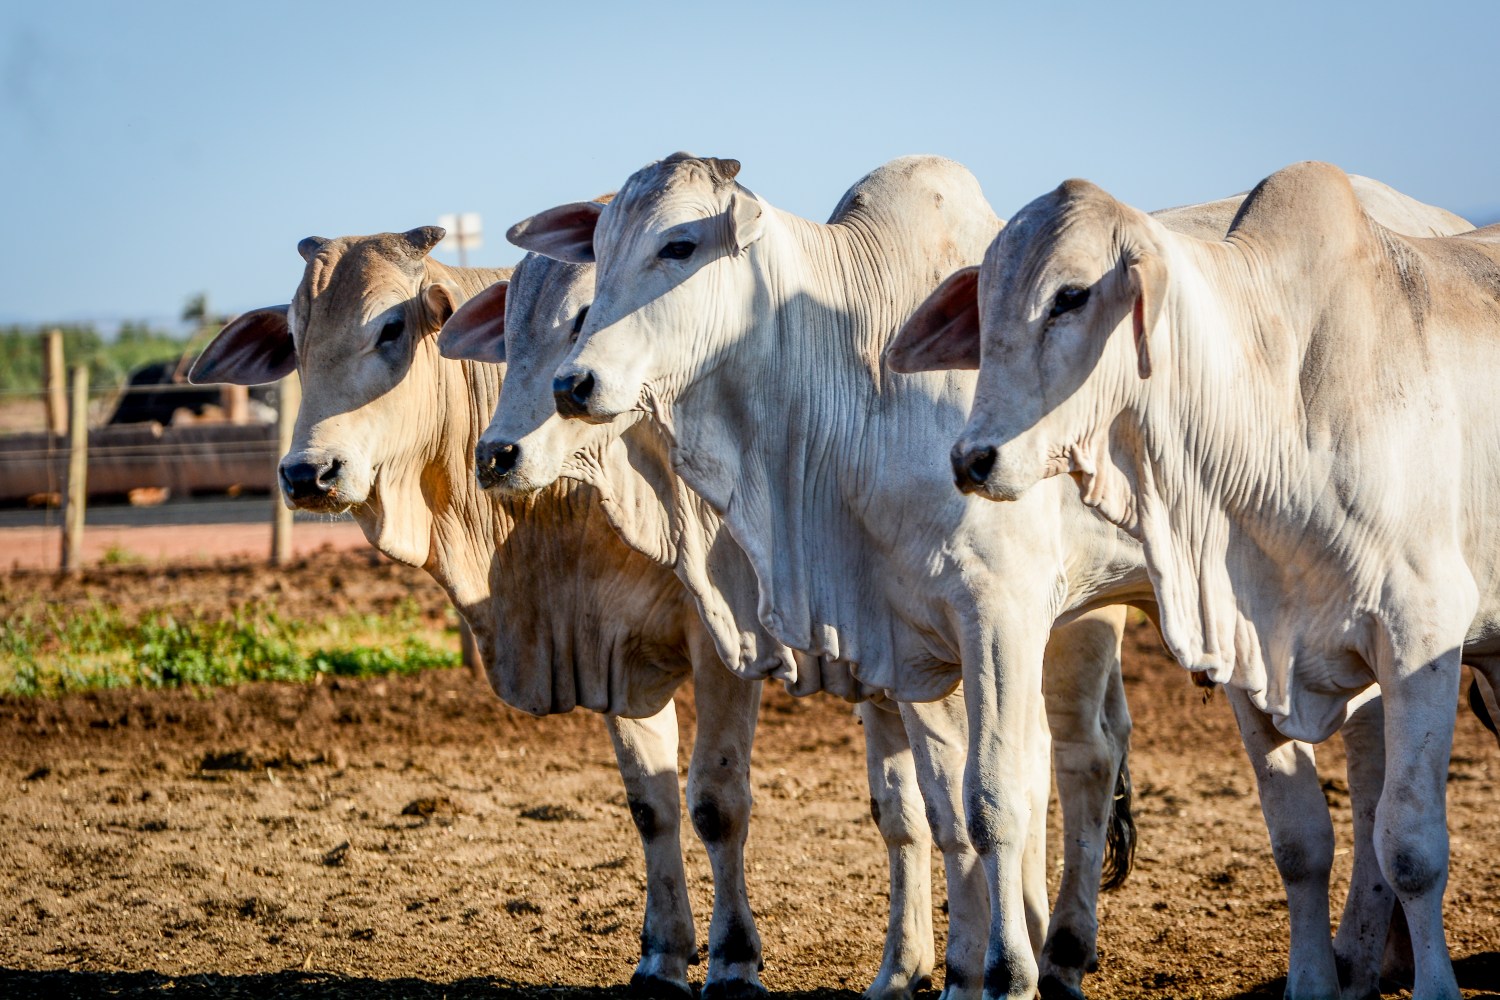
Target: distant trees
(109, 361)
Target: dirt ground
(415, 838)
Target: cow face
(359, 333)
(530, 323)
(1069, 294)
(674, 281)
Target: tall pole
(288, 399)
(76, 499)
(55, 379)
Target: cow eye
(392, 330)
(678, 250)
(1068, 299)
(578, 323)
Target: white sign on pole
(465, 232)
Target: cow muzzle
(312, 485)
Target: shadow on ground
(1480, 973)
(16, 984)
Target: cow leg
(896, 806)
(1419, 684)
(719, 802)
(1090, 726)
(1361, 939)
(1003, 692)
(646, 750)
(1291, 799)
(938, 732)
(1486, 691)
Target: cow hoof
(734, 989)
(657, 988)
(889, 992)
(1053, 988)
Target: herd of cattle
(692, 436)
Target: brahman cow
(1297, 422)
(564, 612)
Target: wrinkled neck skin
(562, 615)
(822, 462)
(436, 511)
(1225, 470)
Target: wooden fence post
(54, 378)
(235, 400)
(288, 399)
(75, 501)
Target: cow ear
(1148, 290)
(944, 331)
(476, 332)
(439, 301)
(255, 348)
(310, 246)
(422, 239)
(747, 218)
(564, 233)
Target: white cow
(529, 323)
(761, 368)
(565, 614)
(1298, 423)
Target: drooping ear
(423, 239)
(439, 301)
(309, 247)
(254, 349)
(563, 233)
(477, 331)
(1148, 290)
(747, 219)
(944, 331)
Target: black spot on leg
(1411, 873)
(739, 945)
(999, 979)
(1291, 860)
(875, 809)
(709, 821)
(1067, 950)
(979, 836)
(644, 817)
(954, 977)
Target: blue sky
(156, 149)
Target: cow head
(359, 331)
(1068, 297)
(673, 277)
(530, 323)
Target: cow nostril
(301, 480)
(972, 468)
(329, 475)
(572, 393)
(493, 461)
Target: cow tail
(1119, 839)
(1478, 707)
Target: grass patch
(48, 653)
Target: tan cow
(565, 614)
